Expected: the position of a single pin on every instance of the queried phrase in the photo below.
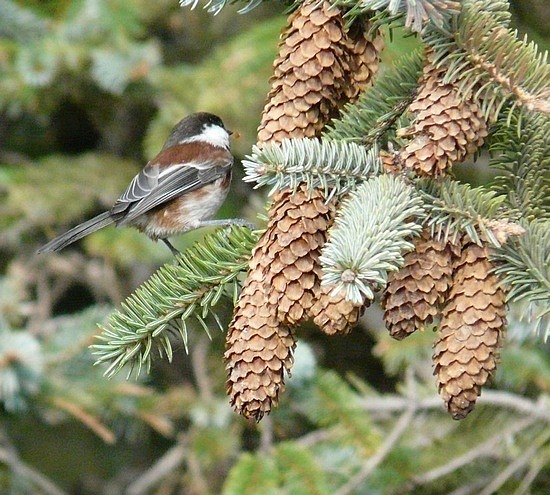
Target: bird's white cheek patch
(212, 134)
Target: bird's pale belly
(185, 213)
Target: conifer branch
(524, 159)
(370, 236)
(380, 106)
(453, 208)
(485, 57)
(335, 402)
(334, 166)
(163, 304)
(415, 12)
(524, 266)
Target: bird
(178, 190)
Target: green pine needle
(487, 59)
(334, 166)
(379, 107)
(414, 12)
(524, 159)
(252, 474)
(161, 306)
(370, 236)
(524, 266)
(300, 471)
(453, 209)
(335, 404)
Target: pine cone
(276, 295)
(296, 233)
(333, 314)
(414, 293)
(446, 128)
(320, 66)
(259, 352)
(467, 350)
(258, 347)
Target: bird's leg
(241, 222)
(175, 252)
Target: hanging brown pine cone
(297, 233)
(321, 64)
(466, 352)
(259, 347)
(275, 296)
(413, 295)
(259, 353)
(333, 314)
(446, 127)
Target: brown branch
(89, 420)
(533, 102)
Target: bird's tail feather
(77, 232)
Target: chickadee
(179, 190)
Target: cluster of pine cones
(323, 64)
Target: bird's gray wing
(152, 186)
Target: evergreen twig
(524, 160)
(216, 6)
(192, 287)
(453, 208)
(333, 166)
(524, 266)
(483, 56)
(415, 12)
(370, 118)
(370, 236)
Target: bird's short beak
(229, 132)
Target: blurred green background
(89, 90)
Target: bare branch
(169, 462)
(13, 462)
(393, 403)
(483, 449)
(199, 360)
(517, 464)
(374, 461)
